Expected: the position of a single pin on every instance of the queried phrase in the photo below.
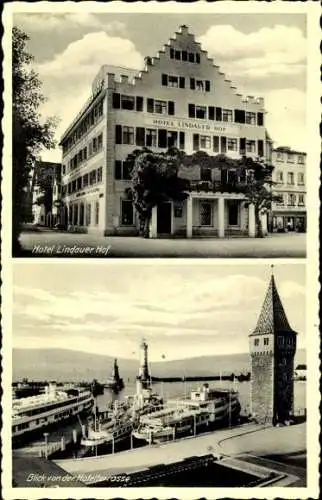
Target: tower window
(177, 55)
(256, 342)
(266, 341)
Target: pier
(252, 440)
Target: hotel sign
(182, 124)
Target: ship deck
(235, 441)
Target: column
(221, 217)
(264, 223)
(251, 221)
(189, 217)
(153, 232)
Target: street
(49, 243)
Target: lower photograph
(159, 375)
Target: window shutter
(118, 170)
(260, 148)
(182, 82)
(150, 105)
(116, 101)
(162, 138)
(211, 113)
(191, 110)
(223, 144)
(140, 136)
(216, 144)
(139, 103)
(218, 114)
(171, 53)
(207, 86)
(170, 107)
(164, 80)
(260, 119)
(196, 142)
(198, 58)
(118, 134)
(240, 116)
(181, 140)
(192, 83)
(184, 55)
(242, 146)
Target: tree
(30, 133)
(155, 179)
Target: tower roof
(272, 319)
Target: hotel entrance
(164, 218)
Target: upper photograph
(149, 135)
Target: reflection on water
(179, 389)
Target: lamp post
(46, 434)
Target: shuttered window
(139, 103)
(140, 136)
(150, 105)
(118, 134)
(195, 142)
(162, 138)
(171, 108)
(211, 113)
(219, 114)
(116, 101)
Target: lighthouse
(144, 377)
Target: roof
(286, 149)
(272, 319)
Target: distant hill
(63, 364)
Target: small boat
(95, 438)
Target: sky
(263, 55)
(182, 310)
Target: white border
(312, 9)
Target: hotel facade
(289, 214)
(181, 99)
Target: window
(199, 85)
(140, 136)
(205, 142)
(227, 115)
(250, 147)
(173, 81)
(88, 214)
(198, 58)
(184, 55)
(127, 102)
(177, 55)
(256, 342)
(171, 53)
(233, 207)
(122, 170)
(162, 138)
(216, 144)
(178, 210)
(250, 118)
(280, 200)
(97, 213)
(100, 174)
(172, 139)
(126, 212)
(290, 158)
(260, 119)
(205, 174)
(64, 169)
(181, 140)
(160, 107)
(205, 213)
(291, 200)
(240, 116)
(300, 179)
(201, 112)
(92, 177)
(231, 144)
(279, 157)
(279, 176)
(260, 148)
(290, 178)
(127, 135)
(266, 340)
(300, 160)
(79, 183)
(191, 57)
(85, 180)
(301, 200)
(150, 137)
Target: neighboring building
(46, 177)
(180, 99)
(272, 350)
(289, 173)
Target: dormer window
(266, 340)
(177, 55)
(256, 342)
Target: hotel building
(289, 214)
(181, 99)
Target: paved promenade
(247, 439)
(273, 245)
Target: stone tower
(144, 375)
(272, 350)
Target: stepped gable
(272, 319)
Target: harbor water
(174, 390)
